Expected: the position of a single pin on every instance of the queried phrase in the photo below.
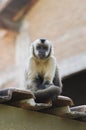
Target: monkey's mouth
(42, 56)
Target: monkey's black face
(42, 51)
(41, 48)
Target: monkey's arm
(51, 91)
(50, 73)
(57, 79)
(29, 82)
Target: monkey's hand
(45, 84)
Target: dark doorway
(75, 88)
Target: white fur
(38, 66)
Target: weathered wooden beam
(81, 108)
(11, 15)
(25, 99)
(3, 4)
(12, 118)
(14, 7)
(9, 24)
(81, 116)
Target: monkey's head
(42, 48)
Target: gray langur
(42, 74)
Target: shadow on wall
(75, 88)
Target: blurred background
(61, 21)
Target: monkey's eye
(38, 47)
(45, 48)
(42, 48)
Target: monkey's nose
(42, 40)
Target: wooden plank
(14, 7)
(12, 14)
(81, 116)
(12, 118)
(14, 94)
(26, 99)
(21, 98)
(81, 108)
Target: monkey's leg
(47, 94)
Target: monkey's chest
(40, 73)
(42, 68)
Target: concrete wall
(63, 22)
(14, 51)
(7, 48)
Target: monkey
(42, 73)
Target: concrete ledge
(12, 118)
